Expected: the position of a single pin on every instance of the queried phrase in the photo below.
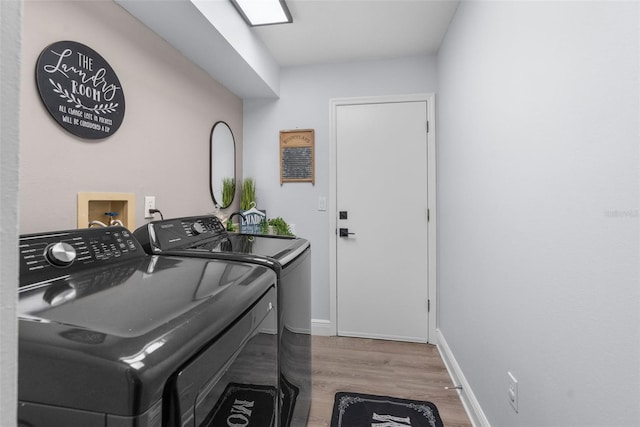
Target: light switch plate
(322, 203)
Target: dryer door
(234, 381)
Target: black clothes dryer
(110, 336)
(290, 257)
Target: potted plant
(264, 226)
(231, 227)
(280, 226)
(248, 194)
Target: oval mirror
(222, 165)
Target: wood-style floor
(388, 368)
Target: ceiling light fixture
(263, 12)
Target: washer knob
(198, 228)
(60, 254)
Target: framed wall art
(297, 156)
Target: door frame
(429, 98)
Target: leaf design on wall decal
(98, 109)
(104, 108)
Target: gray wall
(162, 146)
(538, 208)
(304, 104)
(10, 36)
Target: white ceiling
(247, 60)
(325, 31)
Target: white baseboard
(469, 401)
(322, 327)
(382, 337)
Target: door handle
(344, 232)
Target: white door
(381, 189)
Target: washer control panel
(48, 255)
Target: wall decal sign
(297, 156)
(80, 90)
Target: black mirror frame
(233, 139)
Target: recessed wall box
(105, 207)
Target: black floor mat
(365, 410)
(244, 404)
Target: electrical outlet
(513, 391)
(149, 203)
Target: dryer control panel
(45, 256)
(195, 226)
(180, 233)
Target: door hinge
(428, 306)
(428, 215)
(427, 126)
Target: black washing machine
(290, 257)
(110, 336)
